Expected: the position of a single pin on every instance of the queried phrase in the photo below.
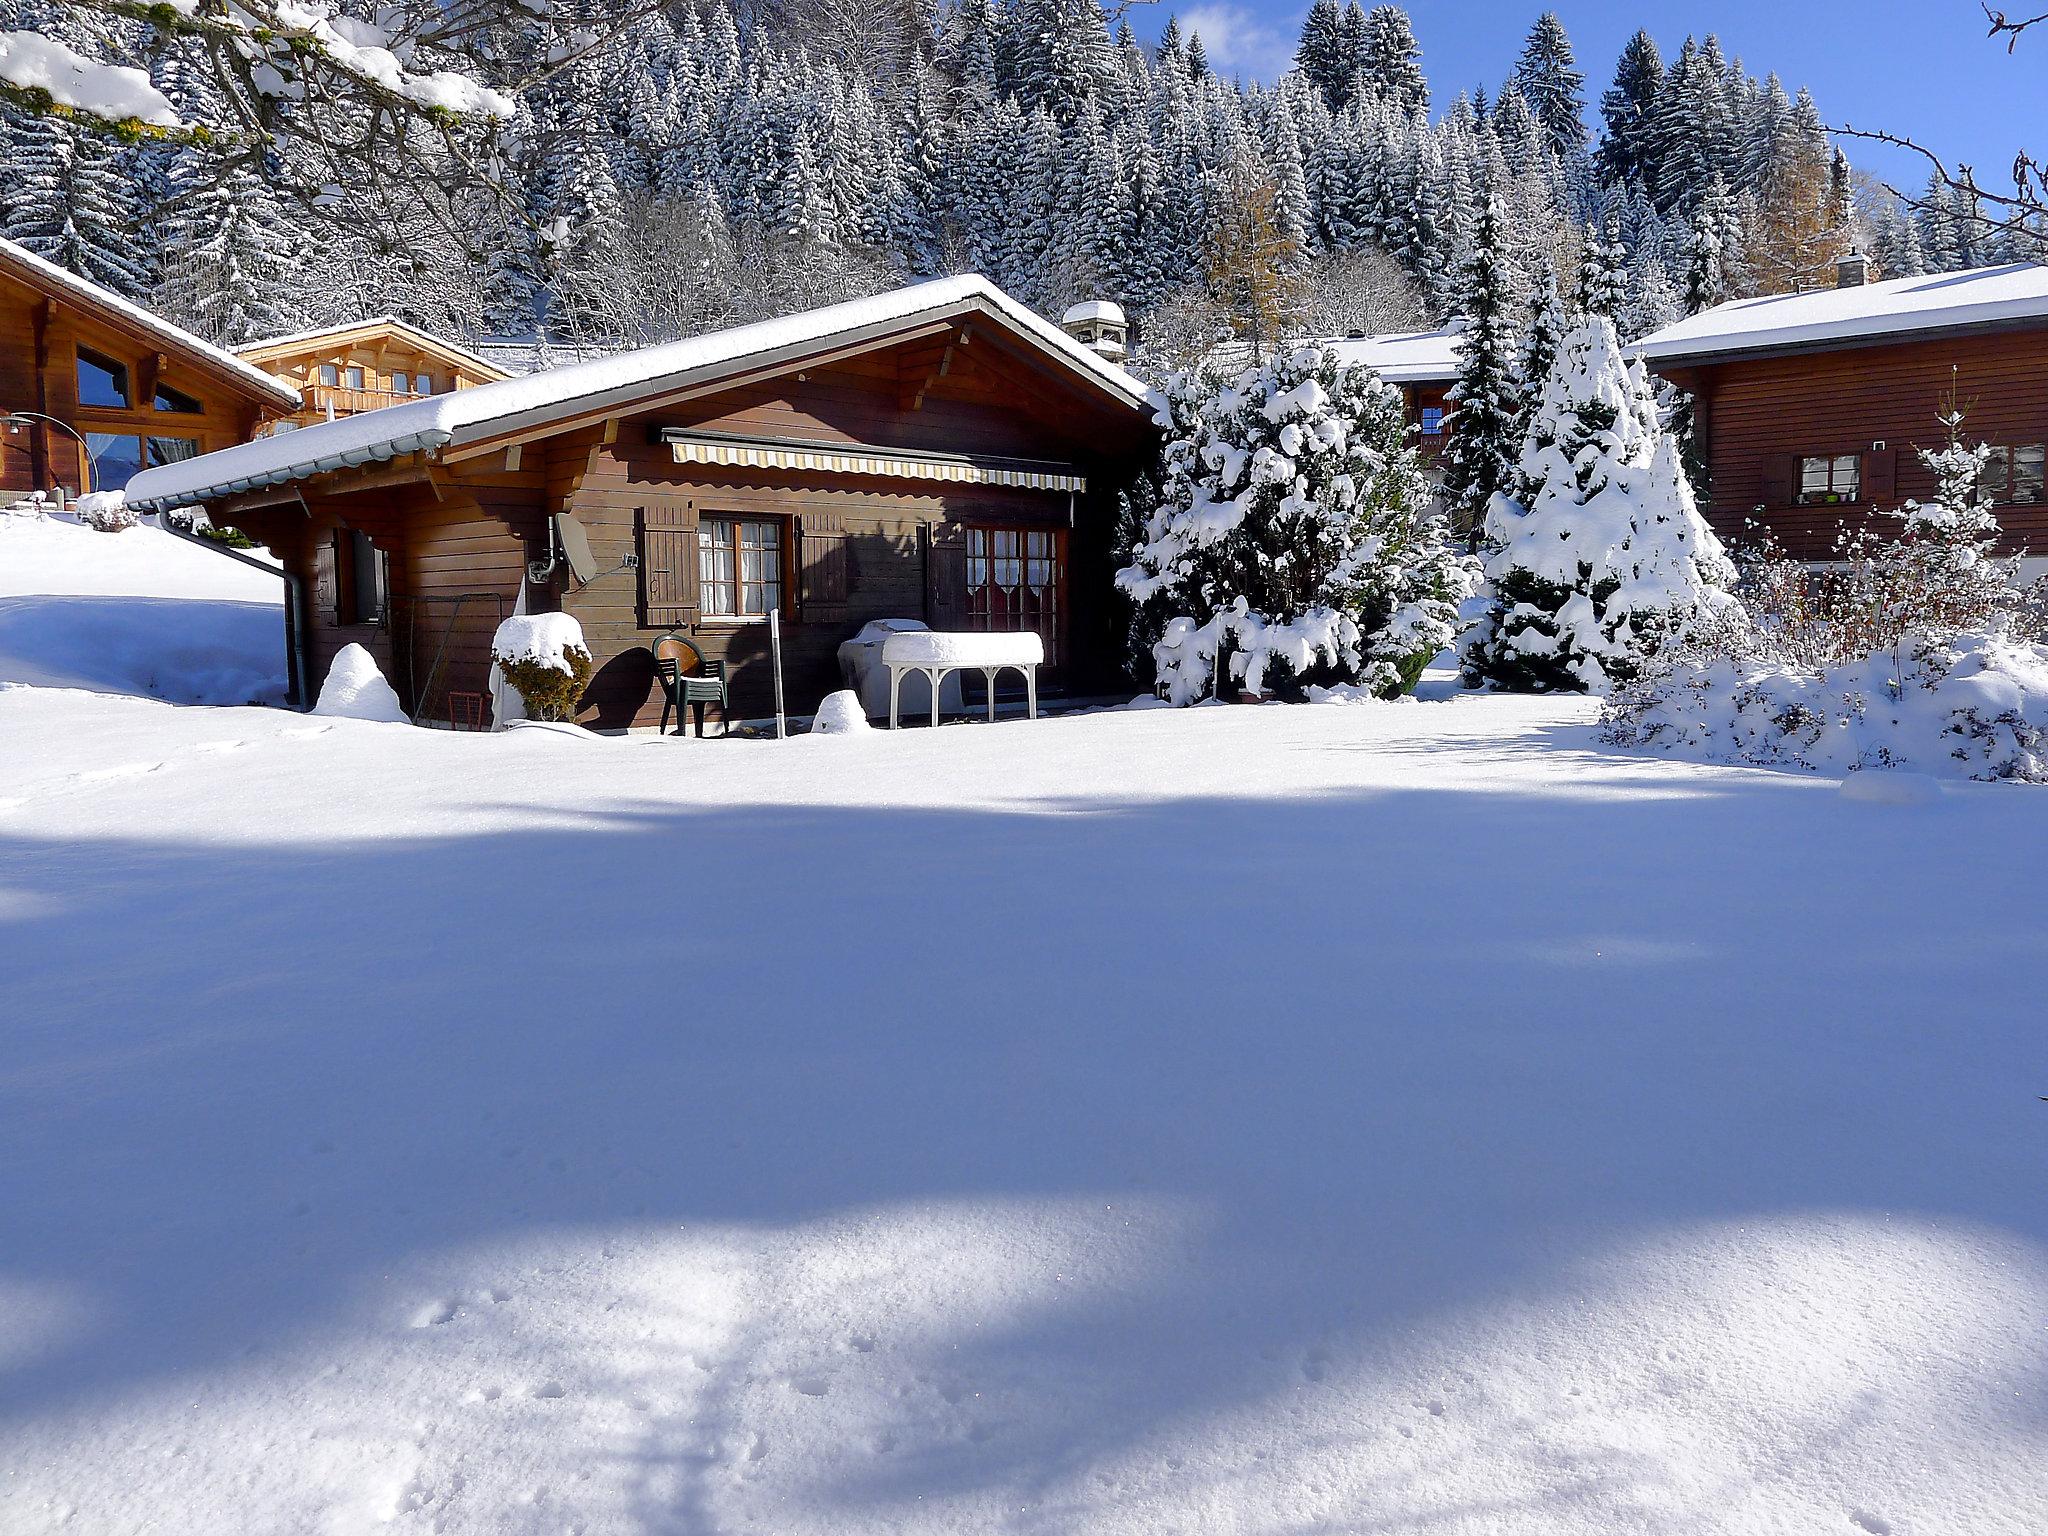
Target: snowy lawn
(1407, 1118)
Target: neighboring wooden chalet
(1423, 365)
(1810, 407)
(94, 389)
(937, 453)
(345, 370)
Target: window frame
(710, 613)
(1431, 420)
(2002, 490)
(193, 406)
(120, 372)
(1832, 496)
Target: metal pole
(775, 646)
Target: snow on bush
(1919, 651)
(544, 658)
(356, 690)
(105, 511)
(1600, 557)
(840, 715)
(1289, 538)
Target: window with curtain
(739, 567)
(116, 459)
(1830, 479)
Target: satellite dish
(575, 547)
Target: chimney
(1852, 271)
(1099, 326)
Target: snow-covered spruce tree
(1294, 542)
(1485, 420)
(1600, 556)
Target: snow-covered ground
(139, 611)
(1410, 1118)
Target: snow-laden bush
(544, 658)
(1920, 650)
(105, 511)
(1600, 558)
(840, 714)
(1293, 539)
(356, 690)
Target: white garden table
(934, 654)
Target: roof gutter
(412, 442)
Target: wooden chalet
(1811, 407)
(94, 389)
(345, 370)
(1423, 365)
(938, 453)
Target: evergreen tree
(1628, 152)
(1392, 66)
(1485, 400)
(1321, 57)
(1548, 80)
(1603, 275)
(1600, 556)
(72, 203)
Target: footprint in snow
(1863, 1520)
(214, 748)
(304, 732)
(120, 771)
(435, 1313)
(550, 1389)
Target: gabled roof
(274, 347)
(1874, 312)
(111, 309)
(1403, 357)
(619, 383)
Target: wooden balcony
(346, 401)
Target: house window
(1013, 581)
(362, 578)
(355, 378)
(169, 450)
(1831, 480)
(176, 401)
(1432, 421)
(102, 381)
(401, 383)
(739, 568)
(116, 459)
(330, 374)
(2016, 476)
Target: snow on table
(935, 653)
(369, 1169)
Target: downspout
(294, 609)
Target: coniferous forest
(705, 164)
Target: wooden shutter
(945, 575)
(667, 535)
(824, 568)
(1881, 477)
(327, 577)
(1781, 472)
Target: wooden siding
(1760, 414)
(39, 339)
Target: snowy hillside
(1275, 1122)
(139, 611)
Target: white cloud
(1239, 41)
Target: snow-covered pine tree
(1547, 78)
(1392, 68)
(1600, 556)
(1603, 271)
(1293, 542)
(1321, 56)
(230, 253)
(1541, 339)
(1628, 108)
(73, 204)
(1486, 399)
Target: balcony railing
(349, 402)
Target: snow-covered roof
(1102, 310)
(272, 346)
(47, 275)
(1402, 357)
(536, 400)
(1899, 306)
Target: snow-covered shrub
(106, 511)
(1917, 650)
(356, 690)
(1293, 541)
(543, 657)
(1600, 557)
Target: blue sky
(1923, 69)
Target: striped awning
(859, 459)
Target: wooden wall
(39, 338)
(1760, 412)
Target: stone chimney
(1852, 271)
(1099, 326)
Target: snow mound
(356, 690)
(840, 715)
(137, 611)
(106, 512)
(542, 639)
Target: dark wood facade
(148, 394)
(1762, 417)
(456, 529)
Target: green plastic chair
(689, 681)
